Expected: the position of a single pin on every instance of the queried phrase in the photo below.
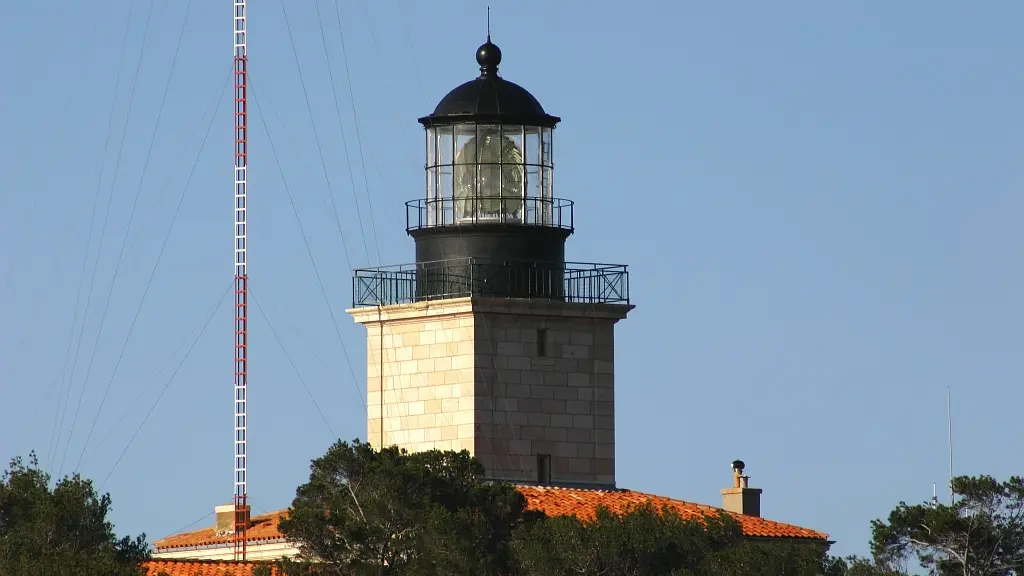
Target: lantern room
(489, 163)
(488, 155)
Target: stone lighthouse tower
(491, 341)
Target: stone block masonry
(511, 381)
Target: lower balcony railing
(457, 278)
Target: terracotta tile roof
(552, 501)
(584, 503)
(200, 568)
(261, 528)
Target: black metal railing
(442, 212)
(457, 278)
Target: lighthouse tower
(491, 342)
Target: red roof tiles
(552, 501)
(584, 504)
(200, 568)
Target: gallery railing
(564, 282)
(443, 212)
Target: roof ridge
(710, 507)
(573, 488)
(201, 561)
(202, 567)
(621, 490)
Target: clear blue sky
(816, 201)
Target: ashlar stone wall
(515, 382)
(420, 382)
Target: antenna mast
(949, 423)
(241, 287)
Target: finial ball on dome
(488, 56)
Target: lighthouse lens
(489, 178)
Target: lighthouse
(491, 341)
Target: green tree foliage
(649, 542)
(60, 531)
(980, 534)
(856, 566)
(765, 558)
(391, 512)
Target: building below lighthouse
(490, 341)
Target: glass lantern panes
(488, 173)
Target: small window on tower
(542, 342)
(543, 468)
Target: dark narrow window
(542, 342)
(543, 468)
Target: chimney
(225, 519)
(741, 499)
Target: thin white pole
(949, 424)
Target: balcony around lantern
(444, 212)
(571, 282)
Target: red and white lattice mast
(241, 281)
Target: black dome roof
(489, 98)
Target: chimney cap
(741, 498)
